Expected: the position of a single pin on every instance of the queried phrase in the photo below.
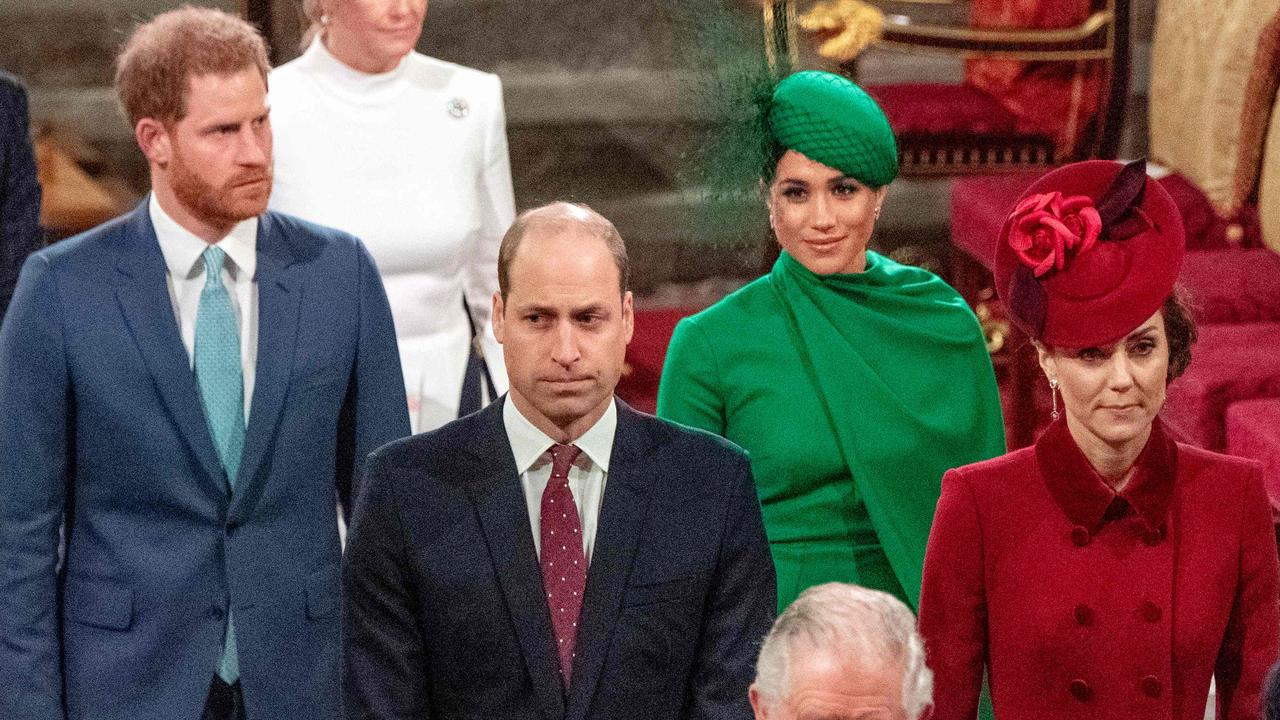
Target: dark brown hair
(154, 68)
(561, 215)
(1179, 330)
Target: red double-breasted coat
(1087, 603)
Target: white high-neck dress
(413, 162)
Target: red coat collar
(1082, 493)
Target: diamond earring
(1053, 393)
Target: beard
(243, 196)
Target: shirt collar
(529, 444)
(182, 248)
(1085, 497)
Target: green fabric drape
(852, 393)
(907, 391)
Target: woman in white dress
(408, 153)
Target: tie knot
(562, 456)
(214, 257)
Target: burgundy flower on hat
(1048, 228)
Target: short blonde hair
(154, 69)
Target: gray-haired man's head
(842, 651)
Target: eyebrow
(1140, 332)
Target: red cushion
(638, 386)
(1206, 230)
(940, 109)
(1230, 363)
(1233, 286)
(979, 206)
(1251, 432)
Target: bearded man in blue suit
(186, 390)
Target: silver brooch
(458, 108)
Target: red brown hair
(154, 68)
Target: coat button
(1150, 612)
(1152, 537)
(1084, 614)
(1080, 690)
(1080, 535)
(213, 613)
(1151, 686)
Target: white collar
(182, 249)
(529, 444)
(349, 81)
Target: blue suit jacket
(103, 424)
(444, 612)
(20, 233)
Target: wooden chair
(1033, 96)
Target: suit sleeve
(953, 606)
(20, 233)
(374, 411)
(689, 392)
(741, 607)
(1253, 629)
(384, 675)
(497, 212)
(34, 430)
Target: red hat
(1091, 250)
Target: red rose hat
(1090, 251)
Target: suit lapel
(626, 501)
(504, 520)
(142, 291)
(279, 293)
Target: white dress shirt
(587, 475)
(182, 252)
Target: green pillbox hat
(828, 118)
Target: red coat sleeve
(1248, 649)
(953, 605)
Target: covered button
(1084, 614)
(1153, 536)
(1151, 686)
(1080, 690)
(1080, 535)
(1150, 612)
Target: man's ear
(628, 315)
(153, 138)
(758, 706)
(496, 317)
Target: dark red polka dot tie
(564, 566)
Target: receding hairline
(559, 219)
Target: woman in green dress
(853, 381)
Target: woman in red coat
(1107, 571)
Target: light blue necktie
(221, 381)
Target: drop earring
(1053, 393)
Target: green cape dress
(853, 393)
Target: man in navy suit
(19, 192)
(557, 554)
(186, 390)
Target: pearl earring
(1053, 393)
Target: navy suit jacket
(445, 616)
(20, 233)
(103, 425)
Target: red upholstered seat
(638, 386)
(1230, 363)
(979, 205)
(1251, 433)
(1233, 285)
(941, 109)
